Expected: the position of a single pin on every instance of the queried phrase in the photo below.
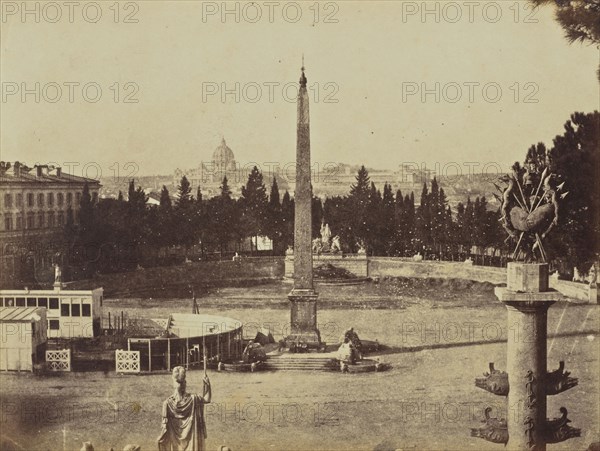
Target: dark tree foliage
(253, 206)
(579, 19)
(274, 221)
(574, 159)
(287, 221)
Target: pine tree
(359, 201)
(287, 218)
(166, 233)
(274, 223)
(388, 220)
(423, 223)
(224, 222)
(253, 205)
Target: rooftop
(21, 173)
(19, 314)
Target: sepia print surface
(311, 225)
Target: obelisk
(303, 297)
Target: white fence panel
(127, 361)
(59, 360)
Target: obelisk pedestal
(303, 297)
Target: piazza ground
(439, 335)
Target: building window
(64, 309)
(40, 199)
(69, 198)
(31, 302)
(94, 198)
(9, 302)
(75, 310)
(54, 303)
(19, 200)
(30, 199)
(54, 324)
(51, 219)
(8, 222)
(19, 225)
(30, 221)
(60, 198)
(8, 200)
(50, 199)
(86, 310)
(41, 219)
(78, 195)
(43, 302)
(61, 218)
(20, 302)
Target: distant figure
(468, 261)
(236, 257)
(418, 257)
(87, 446)
(183, 427)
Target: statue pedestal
(527, 277)
(304, 319)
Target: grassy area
(439, 338)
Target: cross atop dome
(303, 77)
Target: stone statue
(57, 274)
(336, 246)
(361, 248)
(325, 233)
(183, 426)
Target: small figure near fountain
(349, 353)
(183, 426)
(253, 353)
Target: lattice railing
(59, 360)
(127, 361)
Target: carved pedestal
(526, 382)
(303, 319)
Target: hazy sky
(366, 64)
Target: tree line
(111, 234)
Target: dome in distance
(223, 158)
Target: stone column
(303, 296)
(527, 299)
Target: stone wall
(357, 264)
(400, 267)
(575, 290)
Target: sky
(138, 89)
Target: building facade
(35, 205)
(69, 313)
